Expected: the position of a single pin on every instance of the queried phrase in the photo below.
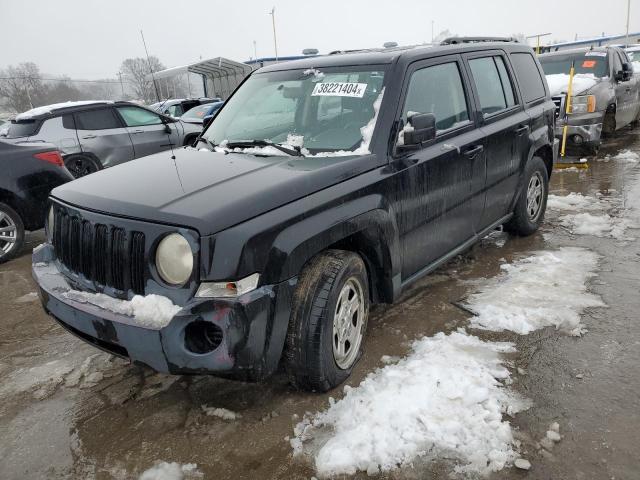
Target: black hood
(204, 190)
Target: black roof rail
(458, 40)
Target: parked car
(4, 128)
(323, 186)
(634, 56)
(606, 93)
(29, 173)
(176, 107)
(93, 135)
(202, 114)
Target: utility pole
(626, 42)
(255, 50)
(432, 30)
(121, 84)
(155, 85)
(273, 20)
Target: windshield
(593, 62)
(23, 128)
(197, 112)
(332, 110)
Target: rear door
(439, 187)
(101, 133)
(506, 127)
(148, 132)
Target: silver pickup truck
(605, 94)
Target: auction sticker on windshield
(339, 89)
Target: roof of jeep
(391, 55)
(56, 109)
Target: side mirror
(424, 129)
(167, 128)
(627, 71)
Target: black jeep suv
(323, 186)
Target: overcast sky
(88, 39)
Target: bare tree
(137, 71)
(21, 86)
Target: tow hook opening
(202, 337)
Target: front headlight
(174, 259)
(583, 104)
(50, 224)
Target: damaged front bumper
(582, 129)
(241, 337)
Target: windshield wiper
(264, 143)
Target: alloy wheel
(535, 192)
(8, 234)
(348, 322)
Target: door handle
(471, 152)
(88, 137)
(138, 131)
(522, 129)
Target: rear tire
(328, 321)
(532, 201)
(11, 233)
(81, 165)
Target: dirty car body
(610, 101)
(345, 175)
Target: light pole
(537, 36)
(626, 40)
(275, 40)
(121, 84)
(255, 50)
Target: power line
(115, 82)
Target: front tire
(328, 321)
(532, 202)
(11, 233)
(81, 165)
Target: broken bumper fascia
(588, 126)
(254, 327)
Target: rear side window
(438, 90)
(67, 122)
(138, 117)
(101, 119)
(528, 75)
(23, 128)
(494, 88)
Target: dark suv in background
(329, 184)
(92, 135)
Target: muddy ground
(68, 411)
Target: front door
(439, 187)
(101, 133)
(506, 127)
(148, 132)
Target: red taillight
(51, 157)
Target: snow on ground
(444, 399)
(222, 413)
(573, 202)
(151, 311)
(627, 156)
(548, 288)
(171, 471)
(559, 83)
(597, 225)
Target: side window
(138, 117)
(531, 83)
(494, 97)
(101, 119)
(507, 85)
(175, 110)
(438, 90)
(67, 122)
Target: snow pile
(445, 398)
(573, 202)
(627, 156)
(596, 225)
(545, 289)
(559, 83)
(294, 140)
(152, 311)
(171, 471)
(222, 413)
